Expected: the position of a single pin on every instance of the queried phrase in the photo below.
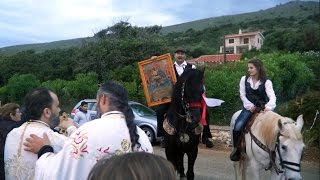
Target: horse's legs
(192, 156)
(252, 170)
(171, 151)
(180, 167)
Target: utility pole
(224, 49)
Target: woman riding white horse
(272, 143)
(256, 92)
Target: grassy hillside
(294, 9)
(41, 47)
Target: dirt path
(310, 154)
(214, 164)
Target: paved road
(215, 165)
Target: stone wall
(221, 134)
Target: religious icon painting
(158, 77)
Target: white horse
(271, 132)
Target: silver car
(145, 117)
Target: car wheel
(149, 132)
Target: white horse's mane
(266, 127)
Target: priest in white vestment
(113, 134)
(43, 105)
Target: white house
(239, 43)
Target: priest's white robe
(20, 164)
(93, 140)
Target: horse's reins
(186, 106)
(283, 164)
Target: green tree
(19, 85)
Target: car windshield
(93, 107)
(142, 110)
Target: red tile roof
(215, 58)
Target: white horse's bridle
(283, 164)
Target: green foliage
(289, 74)
(293, 38)
(222, 82)
(53, 64)
(84, 86)
(307, 104)
(122, 45)
(18, 86)
(312, 60)
(125, 74)
(135, 91)
(70, 92)
(20, 63)
(59, 87)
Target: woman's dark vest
(188, 66)
(257, 96)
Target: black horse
(182, 124)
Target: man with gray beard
(42, 110)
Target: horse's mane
(266, 126)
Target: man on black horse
(180, 65)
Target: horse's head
(187, 97)
(290, 147)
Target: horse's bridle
(187, 105)
(283, 164)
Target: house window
(258, 40)
(231, 41)
(246, 41)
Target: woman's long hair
(118, 101)
(8, 109)
(258, 64)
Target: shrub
(18, 86)
(307, 104)
(222, 82)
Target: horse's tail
(242, 170)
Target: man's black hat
(180, 49)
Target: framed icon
(158, 78)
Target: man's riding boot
(209, 144)
(235, 155)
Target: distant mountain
(41, 47)
(293, 9)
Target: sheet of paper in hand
(212, 102)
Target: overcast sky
(37, 21)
